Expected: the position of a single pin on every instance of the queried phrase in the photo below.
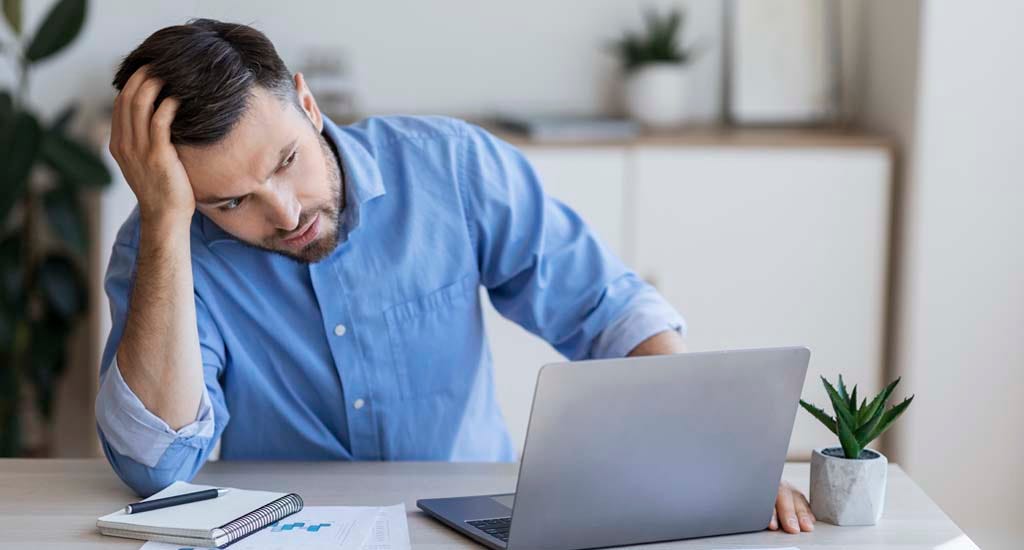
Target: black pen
(156, 504)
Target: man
(300, 290)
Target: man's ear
(308, 102)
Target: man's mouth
(304, 235)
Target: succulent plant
(658, 44)
(857, 426)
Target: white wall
(961, 294)
(443, 56)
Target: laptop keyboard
(496, 527)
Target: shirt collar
(361, 176)
(361, 173)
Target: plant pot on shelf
(847, 491)
(655, 94)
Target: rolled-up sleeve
(144, 451)
(135, 432)
(646, 314)
(543, 267)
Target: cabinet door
(591, 182)
(772, 247)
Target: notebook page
(204, 515)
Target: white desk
(53, 504)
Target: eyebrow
(285, 152)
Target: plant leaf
(851, 447)
(821, 415)
(19, 145)
(47, 360)
(10, 390)
(842, 391)
(878, 403)
(64, 212)
(12, 272)
(6, 108)
(888, 418)
(853, 401)
(838, 403)
(10, 398)
(656, 42)
(73, 161)
(868, 426)
(63, 287)
(12, 12)
(6, 335)
(58, 29)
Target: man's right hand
(163, 368)
(140, 141)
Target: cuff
(137, 433)
(646, 315)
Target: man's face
(273, 182)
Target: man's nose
(284, 210)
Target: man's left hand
(792, 509)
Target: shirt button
(358, 404)
(339, 330)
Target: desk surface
(51, 504)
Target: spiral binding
(259, 518)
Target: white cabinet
(768, 247)
(756, 246)
(591, 181)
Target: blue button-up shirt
(378, 352)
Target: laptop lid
(636, 450)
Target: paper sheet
(389, 531)
(326, 528)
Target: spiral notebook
(215, 522)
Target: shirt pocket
(436, 339)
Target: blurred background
(845, 175)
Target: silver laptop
(637, 450)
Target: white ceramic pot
(655, 94)
(846, 491)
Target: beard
(329, 212)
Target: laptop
(644, 449)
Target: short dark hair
(211, 67)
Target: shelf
(717, 136)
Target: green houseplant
(848, 482)
(659, 43)
(43, 232)
(654, 63)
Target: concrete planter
(847, 491)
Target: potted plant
(848, 482)
(43, 231)
(655, 67)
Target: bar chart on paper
(278, 526)
(326, 527)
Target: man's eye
(289, 160)
(231, 204)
